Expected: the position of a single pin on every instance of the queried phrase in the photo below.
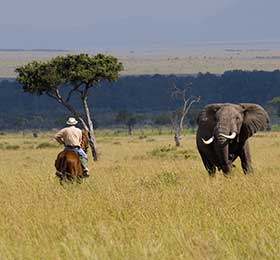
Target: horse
(68, 165)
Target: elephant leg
(245, 158)
(209, 166)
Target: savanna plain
(213, 58)
(145, 199)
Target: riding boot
(84, 163)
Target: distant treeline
(138, 94)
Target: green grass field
(144, 200)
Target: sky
(89, 24)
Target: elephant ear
(206, 117)
(255, 119)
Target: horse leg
(59, 174)
(69, 177)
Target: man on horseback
(71, 137)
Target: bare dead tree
(179, 115)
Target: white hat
(71, 121)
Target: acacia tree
(179, 115)
(129, 119)
(74, 74)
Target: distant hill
(138, 94)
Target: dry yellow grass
(144, 200)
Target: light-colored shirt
(69, 136)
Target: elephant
(223, 132)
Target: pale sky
(87, 12)
(76, 24)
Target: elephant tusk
(209, 141)
(232, 136)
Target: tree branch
(177, 92)
(187, 108)
(56, 95)
(52, 96)
(75, 88)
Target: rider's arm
(59, 137)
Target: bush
(12, 147)
(162, 151)
(171, 152)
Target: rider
(71, 137)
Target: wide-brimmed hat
(71, 121)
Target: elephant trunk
(223, 153)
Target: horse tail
(64, 165)
(61, 165)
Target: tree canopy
(275, 100)
(80, 70)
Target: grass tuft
(12, 147)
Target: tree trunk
(93, 146)
(177, 136)
(129, 130)
(92, 140)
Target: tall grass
(144, 200)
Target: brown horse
(68, 165)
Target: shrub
(12, 147)
(171, 152)
(162, 151)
